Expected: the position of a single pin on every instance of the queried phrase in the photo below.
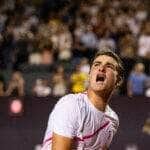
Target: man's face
(103, 74)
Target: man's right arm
(62, 142)
(63, 123)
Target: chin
(100, 89)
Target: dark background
(26, 131)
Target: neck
(99, 101)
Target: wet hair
(120, 68)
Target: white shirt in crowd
(144, 45)
(74, 116)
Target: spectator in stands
(47, 57)
(144, 41)
(64, 43)
(75, 30)
(1, 85)
(147, 92)
(131, 146)
(34, 58)
(59, 82)
(16, 85)
(136, 80)
(1, 88)
(78, 79)
(146, 127)
(106, 41)
(41, 88)
(128, 47)
(84, 66)
(89, 38)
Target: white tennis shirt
(74, 116)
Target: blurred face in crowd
(16, 76)
(103, 74)
(139, 67)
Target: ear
(118, 81)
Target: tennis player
(85, 121)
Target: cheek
(113, 77)
(91, 77)
(92, 73)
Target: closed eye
(111, 66)
(96, 64)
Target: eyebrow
(99, 62)
(108, 63)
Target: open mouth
(100, 78)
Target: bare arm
(129, 89)
(62, 142)
(21, 88)
(10, 89)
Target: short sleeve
(130, 78)
(64, 117)
(114, 119)
(114, 124)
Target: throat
(98, 101)
(99, 105)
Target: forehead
(140, 65)
(105, 59)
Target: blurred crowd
(46, 46)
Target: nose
(102, 68)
